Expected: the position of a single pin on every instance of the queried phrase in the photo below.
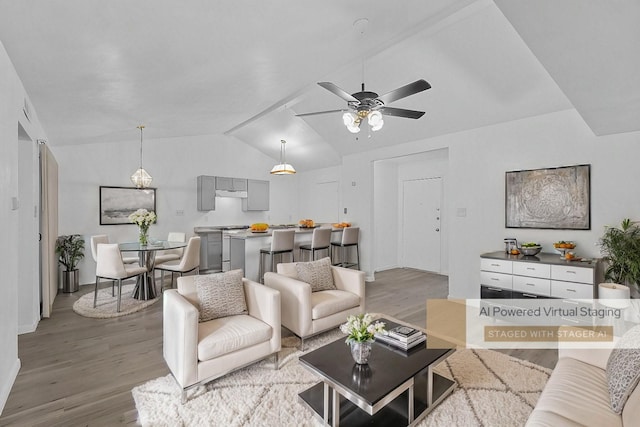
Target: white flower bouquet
(361, 328)
(143, 218)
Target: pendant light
(283, 168)
(140, 178)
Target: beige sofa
(577, 394)
(307, 313)
(200, 352)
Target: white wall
(12, 98)
(478, 160)
(309, 204)
(174, 164)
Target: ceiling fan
(370, 105)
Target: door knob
(437, 229)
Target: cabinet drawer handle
(529, 284)
(495, 289)
(496, 279)
(530, 268)
(570, 290)
(529, 295)
(571, 272)
(495, 265)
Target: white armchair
(197, 353)
(307, 313)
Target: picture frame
(117, 203)
(549, 198)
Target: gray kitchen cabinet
(231, 184)
(206, 193)
(257, 196)
(210, 251)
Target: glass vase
(143, 237)
(361, 351)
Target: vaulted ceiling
(95, 69)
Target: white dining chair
(172, 254)
(109, 265)
(282, 242)
(103, 238)
(190, 261)
(320, 241)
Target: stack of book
(402, 337)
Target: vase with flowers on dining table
(143, 219)
(361, 330)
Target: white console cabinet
(542, 276)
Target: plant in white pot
(70, 250)
(620, 248)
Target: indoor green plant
(620, 247)
(70, 250)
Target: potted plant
(621, 250)
(70, 250)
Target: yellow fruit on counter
(259, 226)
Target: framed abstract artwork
(551, 198)
(117, 203)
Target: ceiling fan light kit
(283, 168)
(141, 178)
(370, 105)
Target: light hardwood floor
(78, 371)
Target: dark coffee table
(395, 388)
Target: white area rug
(106, 304)
(493, 390)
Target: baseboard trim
(26, 329)
(5, 387)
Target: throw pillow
(220, 295)
(316, 273)
(623, 369)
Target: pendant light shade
(141, 178)
(283, 168)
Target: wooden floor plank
(80, 371)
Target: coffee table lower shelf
(393, 414)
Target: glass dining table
(146, 284)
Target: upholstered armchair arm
(264, 303)
(180, 337)
(350, 280)
(295, 299)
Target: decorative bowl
(530, 250)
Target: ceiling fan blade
(337, 91)
(401, 112)
(319, 112)
(404, 91)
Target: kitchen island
(244, 247)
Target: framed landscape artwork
(117, 203)
(552, 198)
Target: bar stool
(350, 237)
(281, 243)
(320, 241)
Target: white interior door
(48, 228)
(420, 243)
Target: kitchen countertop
(248, 234)
(544, 257)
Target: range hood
(231, 193)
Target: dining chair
(320, 241)
(109, 265)
(103, 238)
(350, 236)
(190, 261)
(282, 242)
(172, 254)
